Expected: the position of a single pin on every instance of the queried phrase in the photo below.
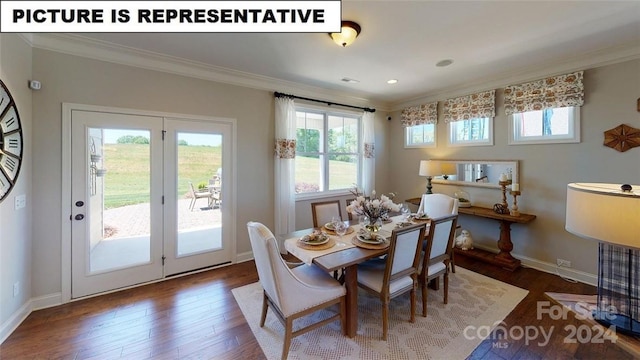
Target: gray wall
(545, 170)
(15, 225)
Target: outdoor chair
(195, 195)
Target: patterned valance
(480, 105)
(286, 148)
(557, 91)
(420, 114)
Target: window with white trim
(471, 132)
(327, 151)
(423, 135)
(548, 126)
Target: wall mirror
(482, 173)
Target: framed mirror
(481, 173)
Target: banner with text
(170, 16)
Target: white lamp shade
(429, 168)
(604, 213)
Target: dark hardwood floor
(196, 317)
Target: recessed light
(443, 63)
(392, 81)
(349, 80)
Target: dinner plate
(376, 240)
(314, 241)
(329, 226)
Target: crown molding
(589, 60)
(105, 51)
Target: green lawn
(127, 178)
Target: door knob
(79, 203)
(79, 217)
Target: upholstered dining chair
(439, 205)
(324, 211)
(292, 292)
(396, 275)
(436, 255)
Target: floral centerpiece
(373, 207)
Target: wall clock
(10, 142)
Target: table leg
(505, 245)
(351, 285)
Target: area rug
(476, 305)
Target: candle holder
(503, 185)
(514, 210)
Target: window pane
(472, 132)
(343, 172)
(421, 135)
(308, 174)
(309, 127)
(544, 122)
(343, 134)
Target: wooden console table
(504, 257)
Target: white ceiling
(403, 40)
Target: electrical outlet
(20, 201)
(16, 288)
(564, 263)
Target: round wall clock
(10, 142)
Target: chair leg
(343, 315)
(446, 287)
(288, 330)
(453, 261)
(265, 305)
(192, 203)
(424, 298)
(385, 318)
(412, 295)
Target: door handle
(79, 217)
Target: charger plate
(328, 245)
(332, 232)
(358, 243)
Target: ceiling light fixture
(392, 81)
(347, 35)
(443, 63)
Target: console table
(504, 257)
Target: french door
(149, 198)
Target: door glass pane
(119, 202)
(199, 195)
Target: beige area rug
(476, 303)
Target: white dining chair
(292, 292)
(436, 255)
(324, 211)
(396, 275)
(437, 206)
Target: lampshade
(429, 168)
(448, 168)
(347, 35)
(605, 213)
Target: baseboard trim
(581, 276)
(245, 256)
(14, 321)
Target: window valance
(420, 115)
(479, 105)
(552, 92)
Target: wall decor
(10, 142)
(622, 138)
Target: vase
(374, 225)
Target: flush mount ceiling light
(347, 35)
(392, 81)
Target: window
(471, 132)
(555, 125)
(420, 135)
(327, 151)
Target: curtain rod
(279, 94)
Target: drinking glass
(341, 229)
(406, 212)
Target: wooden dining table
(343, 255)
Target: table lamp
(610, 214)
(429, 168)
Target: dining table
(345, 255)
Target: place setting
(330, 227)
(369, 240)
(316, 240)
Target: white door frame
(66, 205)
